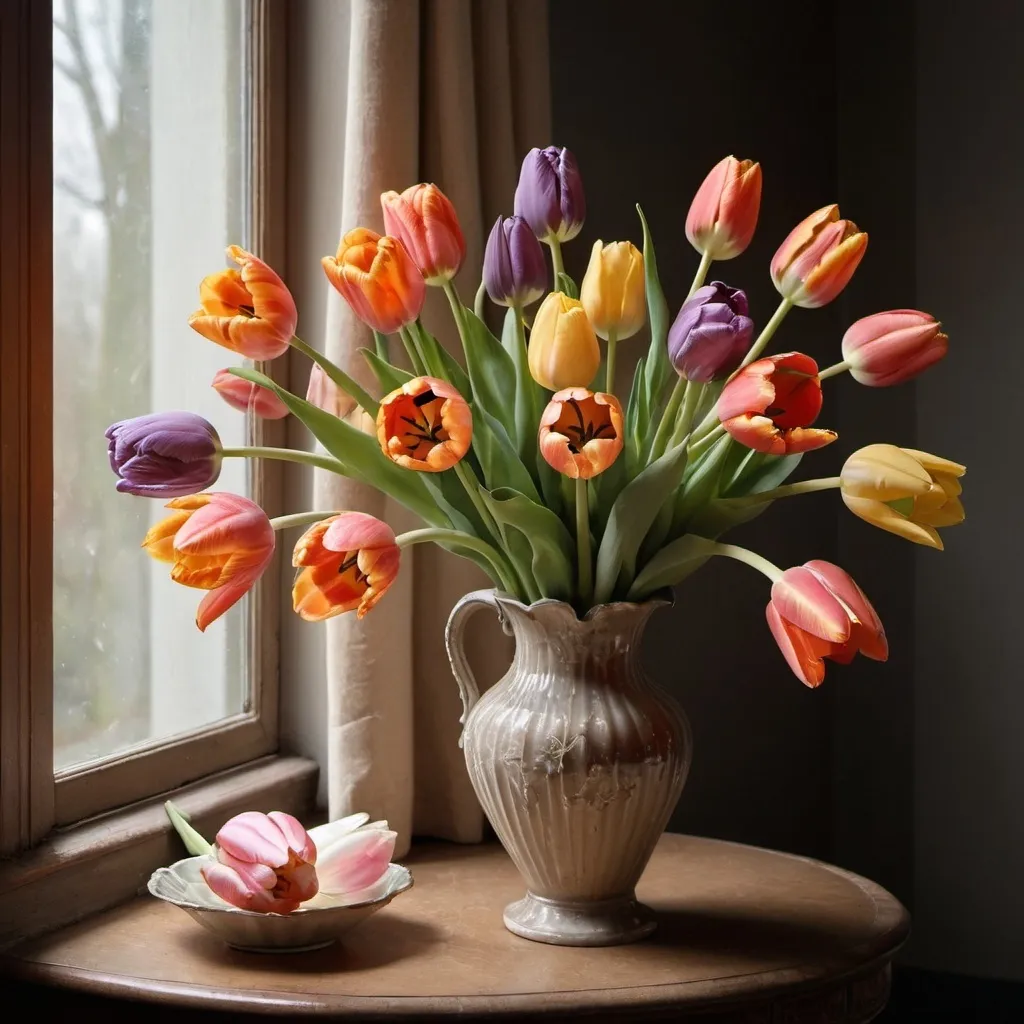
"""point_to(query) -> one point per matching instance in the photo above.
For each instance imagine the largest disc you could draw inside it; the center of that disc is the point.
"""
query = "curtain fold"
(454, 92)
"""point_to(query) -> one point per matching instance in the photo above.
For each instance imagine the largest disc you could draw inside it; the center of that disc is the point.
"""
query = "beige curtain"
(454, 92)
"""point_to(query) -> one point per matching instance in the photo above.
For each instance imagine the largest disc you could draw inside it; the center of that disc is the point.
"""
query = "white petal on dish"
(355, 861)
(324, 835)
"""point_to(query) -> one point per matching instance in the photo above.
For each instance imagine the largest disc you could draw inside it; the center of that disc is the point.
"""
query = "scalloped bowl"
(316, 924)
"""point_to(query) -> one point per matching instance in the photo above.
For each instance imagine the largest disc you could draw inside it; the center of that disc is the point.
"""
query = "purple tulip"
(549, 196)
(711, 334)
(164, 454)
(515, 273)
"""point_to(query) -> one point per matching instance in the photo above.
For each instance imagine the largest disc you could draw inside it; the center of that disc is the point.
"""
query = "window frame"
(33, 797)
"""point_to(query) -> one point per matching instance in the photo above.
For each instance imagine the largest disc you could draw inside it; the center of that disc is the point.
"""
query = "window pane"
(150, 166)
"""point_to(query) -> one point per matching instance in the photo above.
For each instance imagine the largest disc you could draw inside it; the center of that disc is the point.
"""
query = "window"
(158, 161)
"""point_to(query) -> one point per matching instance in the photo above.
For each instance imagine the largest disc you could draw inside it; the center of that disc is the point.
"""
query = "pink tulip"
(888, 348)
(325, 394)
(723, 214)
(817, 611)
(818, 258)
(245, 396)
(353, 855)
(264, 862)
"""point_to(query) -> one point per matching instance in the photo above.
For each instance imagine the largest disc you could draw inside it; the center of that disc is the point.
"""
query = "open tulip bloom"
(517, 453)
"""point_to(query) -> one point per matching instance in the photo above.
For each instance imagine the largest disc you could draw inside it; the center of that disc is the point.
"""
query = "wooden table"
(745, 935)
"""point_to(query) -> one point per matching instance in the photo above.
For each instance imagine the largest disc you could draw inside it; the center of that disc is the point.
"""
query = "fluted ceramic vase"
(578, 760)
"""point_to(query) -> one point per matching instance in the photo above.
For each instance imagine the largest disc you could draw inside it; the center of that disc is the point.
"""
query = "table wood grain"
(745, 935)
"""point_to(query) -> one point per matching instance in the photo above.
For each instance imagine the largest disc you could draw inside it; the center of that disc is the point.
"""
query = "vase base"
(580, 922)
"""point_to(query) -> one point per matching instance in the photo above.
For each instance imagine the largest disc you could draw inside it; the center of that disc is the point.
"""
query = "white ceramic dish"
(318, 923)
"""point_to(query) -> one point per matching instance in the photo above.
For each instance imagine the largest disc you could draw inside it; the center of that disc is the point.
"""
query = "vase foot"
(580, 922)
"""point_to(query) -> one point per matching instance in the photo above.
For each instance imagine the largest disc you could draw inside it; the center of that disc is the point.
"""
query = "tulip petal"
(833, 273)
(297, 838)
(328, 833)
(350, 531)
(879, 514)
(807, 439)
(757, 432)
(227, 884)
(934, 465)
(252, 836)
(802, 598)
(845, 589)
(356, 860)
(885, 473)
(802, 651)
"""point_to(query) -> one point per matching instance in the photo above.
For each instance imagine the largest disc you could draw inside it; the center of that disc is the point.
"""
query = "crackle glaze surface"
(578, 760)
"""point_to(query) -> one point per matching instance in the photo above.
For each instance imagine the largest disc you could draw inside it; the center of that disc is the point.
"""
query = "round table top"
(741, 932)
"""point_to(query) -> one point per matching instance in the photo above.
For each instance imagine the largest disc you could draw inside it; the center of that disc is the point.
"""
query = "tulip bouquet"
(513, 456)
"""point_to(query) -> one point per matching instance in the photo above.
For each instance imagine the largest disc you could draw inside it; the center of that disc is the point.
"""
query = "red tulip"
(889, 348)
(770, 405)
(816, 612)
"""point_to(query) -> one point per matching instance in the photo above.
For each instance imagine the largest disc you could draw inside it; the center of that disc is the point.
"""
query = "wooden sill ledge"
(745, 934)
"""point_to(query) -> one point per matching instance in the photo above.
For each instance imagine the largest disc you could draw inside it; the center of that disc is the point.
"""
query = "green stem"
(287, 455)
(586, 574)
(413, 352)
(701, 445)
(825, 483)
(558, 267)
(668, 419)
(457, 310)
(339, 376)
(299, 519)
(609, 373)
(685, 418)
(751, 558)
(835, 368)
(702, 272)
(769, 329)
(463, 540)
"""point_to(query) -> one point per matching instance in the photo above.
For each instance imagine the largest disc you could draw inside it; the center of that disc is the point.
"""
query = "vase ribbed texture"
(577, 758)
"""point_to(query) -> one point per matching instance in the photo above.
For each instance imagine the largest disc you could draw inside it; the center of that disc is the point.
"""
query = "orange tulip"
(817, 611)
(249, 311)
(377, 278)
(245, 396)
(347, 562)
(770, 405)
(581, 432)
(723, 214)
(423, 218)
(818, 258)
(217, 542)
(424, 425)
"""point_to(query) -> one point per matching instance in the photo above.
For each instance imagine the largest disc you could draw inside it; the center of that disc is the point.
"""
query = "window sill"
(98, 863)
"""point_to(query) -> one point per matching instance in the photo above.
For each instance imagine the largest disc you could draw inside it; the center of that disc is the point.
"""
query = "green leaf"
(775, 470)
(380, 343)
(567, 285)
(440, 362)
(492, 373)
(700, 483)
(351, 387)
(528, 394)
(498, 458)
(358, 452)
(638, 422)
(671, 565)
(552, 559)
(631, 517)
(389, 377)
(659, 369)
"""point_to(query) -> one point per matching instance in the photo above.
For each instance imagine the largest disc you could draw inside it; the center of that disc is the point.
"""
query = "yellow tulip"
(612, 292)
(563, 350)
(904, 491)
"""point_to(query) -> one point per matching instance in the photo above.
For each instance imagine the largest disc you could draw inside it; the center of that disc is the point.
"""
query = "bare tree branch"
(72, 189)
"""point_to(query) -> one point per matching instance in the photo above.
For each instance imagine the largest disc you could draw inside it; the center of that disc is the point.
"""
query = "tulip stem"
(458, 311)
(558, 267)
(699, 446)
(609, 369)
(706, 260)
(685, 418)
(339, 376)
(825, 483)
(299, 519)
(456, 538)
(287, 455)
(766, 335)
(751, 558)
(668, 419)
(413, 352)
(835, 368)
(586, 575)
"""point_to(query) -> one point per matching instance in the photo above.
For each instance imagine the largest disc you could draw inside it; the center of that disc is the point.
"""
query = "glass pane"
(150, 172)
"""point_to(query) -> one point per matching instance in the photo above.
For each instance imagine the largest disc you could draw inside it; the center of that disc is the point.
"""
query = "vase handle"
(453, 634)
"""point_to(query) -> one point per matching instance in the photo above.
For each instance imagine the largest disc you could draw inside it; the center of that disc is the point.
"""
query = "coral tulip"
(817, 611)
(164, 454)
(770, 405)
(904, 491)
(245, 396)
(346, 562)
(563, 351)
(818, 258)
(515, 273)
(424, 220)
(263, 862)
(612, 292)
(377, 278)
(322, 392)
(723, 214)
(581, 432)
(217, 542)
(711, 334)
(424, 425)
(549, 196)
(888, 348)
(249, 311)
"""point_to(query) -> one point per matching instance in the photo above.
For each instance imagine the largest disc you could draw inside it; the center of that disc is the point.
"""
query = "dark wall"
(649, 96)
